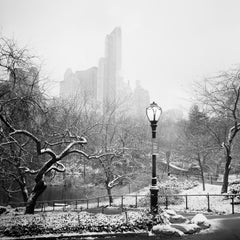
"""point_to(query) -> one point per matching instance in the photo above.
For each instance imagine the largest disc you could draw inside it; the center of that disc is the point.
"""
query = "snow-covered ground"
(209, 188)
(217, 204)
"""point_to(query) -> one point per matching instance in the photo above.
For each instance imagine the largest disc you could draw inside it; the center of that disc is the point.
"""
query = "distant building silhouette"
(104, 84)
(113, 62)
(141, 100)
(100, 79)
(80, 84)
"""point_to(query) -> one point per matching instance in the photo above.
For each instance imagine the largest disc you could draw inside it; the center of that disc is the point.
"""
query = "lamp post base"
(154, 199)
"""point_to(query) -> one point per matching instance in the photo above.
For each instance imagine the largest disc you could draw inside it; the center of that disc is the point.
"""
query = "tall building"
(141, 100)
(88, 82)
(105, 84)
(81, 84)
(100, 80)
(112, 66)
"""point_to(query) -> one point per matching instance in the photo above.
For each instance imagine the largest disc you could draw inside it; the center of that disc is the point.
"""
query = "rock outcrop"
(178, 225)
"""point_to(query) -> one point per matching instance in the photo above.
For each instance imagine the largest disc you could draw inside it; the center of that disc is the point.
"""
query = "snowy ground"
(217, 204)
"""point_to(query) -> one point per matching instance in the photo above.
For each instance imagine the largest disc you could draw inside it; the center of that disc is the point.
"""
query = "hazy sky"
(166, 44)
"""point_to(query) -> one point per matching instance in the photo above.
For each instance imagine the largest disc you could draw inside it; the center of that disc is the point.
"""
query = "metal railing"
(219, 203)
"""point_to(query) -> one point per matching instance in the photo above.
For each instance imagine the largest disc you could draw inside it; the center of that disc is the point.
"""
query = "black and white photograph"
(119, 119)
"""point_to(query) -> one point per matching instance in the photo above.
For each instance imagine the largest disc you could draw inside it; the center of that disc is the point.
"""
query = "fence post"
(232, 204)
(211, 179)
(208, 202)
(98, 202)
(122, 202)
(53, 206)
(186, 197)
(76, 204)
(136, 203)
(166, 202)
(126, 216)
(87, 203)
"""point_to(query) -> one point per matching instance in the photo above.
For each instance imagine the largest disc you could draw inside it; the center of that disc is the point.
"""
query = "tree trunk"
(168, 155)
(23, 186)
(226, 173)
(24, 193)
(201, 171)
(36, 192)
(109, 192)
(218, 165)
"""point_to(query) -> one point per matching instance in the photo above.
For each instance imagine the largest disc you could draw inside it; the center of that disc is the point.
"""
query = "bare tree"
(220, 95)
(21, 103)
(169, 133)
(118, 134)
(196, 142)
(71, 145)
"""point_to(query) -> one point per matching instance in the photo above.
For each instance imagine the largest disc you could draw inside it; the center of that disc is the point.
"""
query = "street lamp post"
(153, 113)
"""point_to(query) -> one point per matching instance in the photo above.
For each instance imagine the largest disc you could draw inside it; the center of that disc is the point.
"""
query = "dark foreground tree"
(72, 145)
(32, 139)
(22, 104)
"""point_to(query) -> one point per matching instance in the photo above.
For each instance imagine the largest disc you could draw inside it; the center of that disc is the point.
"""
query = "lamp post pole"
(153, 113)
(154, 188)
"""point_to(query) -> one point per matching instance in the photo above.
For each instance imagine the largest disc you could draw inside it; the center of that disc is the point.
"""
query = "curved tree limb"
(59, 167)
(27, 170)
(116, 181)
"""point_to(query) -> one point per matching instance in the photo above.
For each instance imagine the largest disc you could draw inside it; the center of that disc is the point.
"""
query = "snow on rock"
(178, 219)
(164, 218)
(201, 221)
(187, 228)
(170, 212)
(166, 230)
(178, 225)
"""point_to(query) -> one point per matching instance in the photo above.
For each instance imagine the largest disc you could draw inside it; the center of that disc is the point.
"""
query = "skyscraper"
(141, 100)
(80, 84)
(112, 66)
(105, 83)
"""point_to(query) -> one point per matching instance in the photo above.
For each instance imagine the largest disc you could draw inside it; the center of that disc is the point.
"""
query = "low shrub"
(171, 186)
(234, 188)
(83, 222)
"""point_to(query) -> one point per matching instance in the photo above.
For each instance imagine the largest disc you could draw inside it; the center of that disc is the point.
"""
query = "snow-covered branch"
(112, 154)
(58, 167)
(28, 170)
(116, 181)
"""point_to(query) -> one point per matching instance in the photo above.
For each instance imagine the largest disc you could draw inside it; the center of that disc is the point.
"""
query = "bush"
(172, 186)
(82, 222)
(234, 188)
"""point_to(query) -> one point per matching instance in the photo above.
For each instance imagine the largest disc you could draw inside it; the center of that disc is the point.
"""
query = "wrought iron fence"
(217, 203)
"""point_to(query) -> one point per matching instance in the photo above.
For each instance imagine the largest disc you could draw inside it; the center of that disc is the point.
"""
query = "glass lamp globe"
(153, 112)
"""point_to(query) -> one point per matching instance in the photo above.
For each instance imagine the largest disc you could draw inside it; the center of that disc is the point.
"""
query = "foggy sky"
(166, 44)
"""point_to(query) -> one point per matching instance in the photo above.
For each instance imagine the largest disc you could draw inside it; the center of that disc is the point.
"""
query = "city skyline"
(166, 44)
(104, 85)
